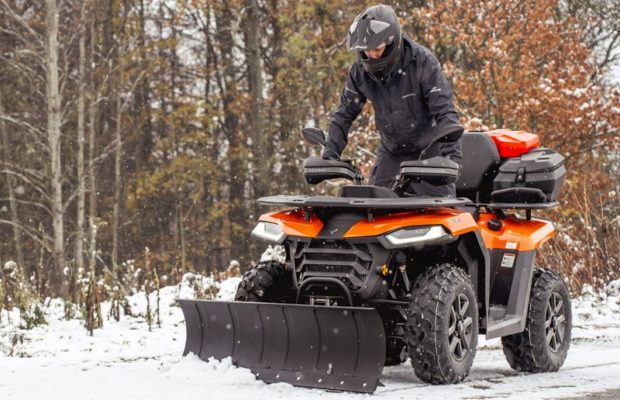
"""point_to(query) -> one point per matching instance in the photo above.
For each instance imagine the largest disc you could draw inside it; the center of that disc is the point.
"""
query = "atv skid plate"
(339, 348)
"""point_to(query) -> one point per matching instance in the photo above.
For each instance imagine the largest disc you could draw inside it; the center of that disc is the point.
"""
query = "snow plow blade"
(339, 348)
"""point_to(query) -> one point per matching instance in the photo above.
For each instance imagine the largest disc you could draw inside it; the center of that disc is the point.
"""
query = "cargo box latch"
(520, 175)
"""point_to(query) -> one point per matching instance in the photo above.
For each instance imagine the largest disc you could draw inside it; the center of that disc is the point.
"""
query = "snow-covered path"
(591, 367)
(125, 361)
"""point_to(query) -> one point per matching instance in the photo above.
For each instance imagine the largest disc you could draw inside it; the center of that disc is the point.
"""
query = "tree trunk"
(143, 96)
(118, 153)
(92, 185)
(260, 155)
(54, 140)
(237, 153)
(10, 181)
(81, 137)
(173, 131)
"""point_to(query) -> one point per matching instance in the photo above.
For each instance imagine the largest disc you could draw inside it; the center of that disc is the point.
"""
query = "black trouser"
(387, 167)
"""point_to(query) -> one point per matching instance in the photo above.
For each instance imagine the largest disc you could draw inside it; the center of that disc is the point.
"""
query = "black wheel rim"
(460, 327)
(555, 322)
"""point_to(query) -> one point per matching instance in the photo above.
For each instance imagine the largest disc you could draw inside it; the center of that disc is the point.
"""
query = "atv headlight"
(406, 236)
(269, 232)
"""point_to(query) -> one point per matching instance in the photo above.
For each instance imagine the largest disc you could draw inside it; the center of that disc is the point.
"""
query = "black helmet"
(372, 28)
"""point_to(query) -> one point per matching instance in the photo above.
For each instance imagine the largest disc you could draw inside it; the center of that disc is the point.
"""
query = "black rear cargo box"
(540, 168)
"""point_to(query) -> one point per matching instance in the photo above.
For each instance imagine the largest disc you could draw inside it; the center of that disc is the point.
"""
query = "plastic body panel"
(293, 223)
(515, 234)
(455, 221)
(512, 251)
(510, 292)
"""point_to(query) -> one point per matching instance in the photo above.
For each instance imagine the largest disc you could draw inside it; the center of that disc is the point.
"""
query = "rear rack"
(528, 207)
(406, 203)
(519, 206)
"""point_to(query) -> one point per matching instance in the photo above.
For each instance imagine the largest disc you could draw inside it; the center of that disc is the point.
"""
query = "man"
(409, 93)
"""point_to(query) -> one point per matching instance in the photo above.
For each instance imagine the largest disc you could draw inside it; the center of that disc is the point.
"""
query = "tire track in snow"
(499, 376)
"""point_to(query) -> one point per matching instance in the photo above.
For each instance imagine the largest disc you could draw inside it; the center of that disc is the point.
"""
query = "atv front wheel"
(543, 345)
(442, 328)
(267, 282)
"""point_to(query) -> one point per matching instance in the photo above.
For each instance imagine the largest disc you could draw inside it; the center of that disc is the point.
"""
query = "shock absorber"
(401, 262)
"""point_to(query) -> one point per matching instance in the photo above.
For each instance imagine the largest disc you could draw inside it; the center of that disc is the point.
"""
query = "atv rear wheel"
(267, 282)
(442, 328)
(543, 345)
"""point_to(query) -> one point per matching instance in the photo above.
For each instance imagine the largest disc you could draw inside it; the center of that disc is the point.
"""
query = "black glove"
(329, 154)
(449, 131)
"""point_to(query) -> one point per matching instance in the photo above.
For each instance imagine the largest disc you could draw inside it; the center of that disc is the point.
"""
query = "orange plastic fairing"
(515, 234)
(455, 221)
(513, 143)
(294, 224)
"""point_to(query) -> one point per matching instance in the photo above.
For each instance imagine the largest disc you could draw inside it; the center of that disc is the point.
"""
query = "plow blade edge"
(340, 348)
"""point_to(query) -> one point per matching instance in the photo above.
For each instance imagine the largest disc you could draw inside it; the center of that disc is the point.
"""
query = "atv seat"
(479, 167)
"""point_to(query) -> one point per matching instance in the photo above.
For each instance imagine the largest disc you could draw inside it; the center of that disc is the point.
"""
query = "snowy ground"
(126, 361)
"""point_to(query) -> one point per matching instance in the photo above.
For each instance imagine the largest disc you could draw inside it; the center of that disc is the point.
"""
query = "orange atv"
(376, 275)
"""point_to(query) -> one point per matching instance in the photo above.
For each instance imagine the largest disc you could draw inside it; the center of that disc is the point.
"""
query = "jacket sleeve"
(452, 150)
(438, 97)
(352, 102)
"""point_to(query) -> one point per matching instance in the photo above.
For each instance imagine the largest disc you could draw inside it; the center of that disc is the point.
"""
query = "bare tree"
(53, 136)
(600, 24)
(92, 116)
(81, 178)
(260, 140)
(10, 182)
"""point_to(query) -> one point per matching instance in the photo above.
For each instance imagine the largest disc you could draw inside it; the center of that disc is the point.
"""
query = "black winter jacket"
(407, 105)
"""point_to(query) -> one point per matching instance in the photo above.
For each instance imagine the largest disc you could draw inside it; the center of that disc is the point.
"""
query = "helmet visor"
(369, 34)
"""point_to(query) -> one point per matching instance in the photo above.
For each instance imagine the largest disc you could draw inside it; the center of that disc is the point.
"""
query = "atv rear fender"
(514, 233)
(512, 246)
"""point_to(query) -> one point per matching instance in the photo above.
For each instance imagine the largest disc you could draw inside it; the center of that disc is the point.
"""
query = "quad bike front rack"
(338, 348)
